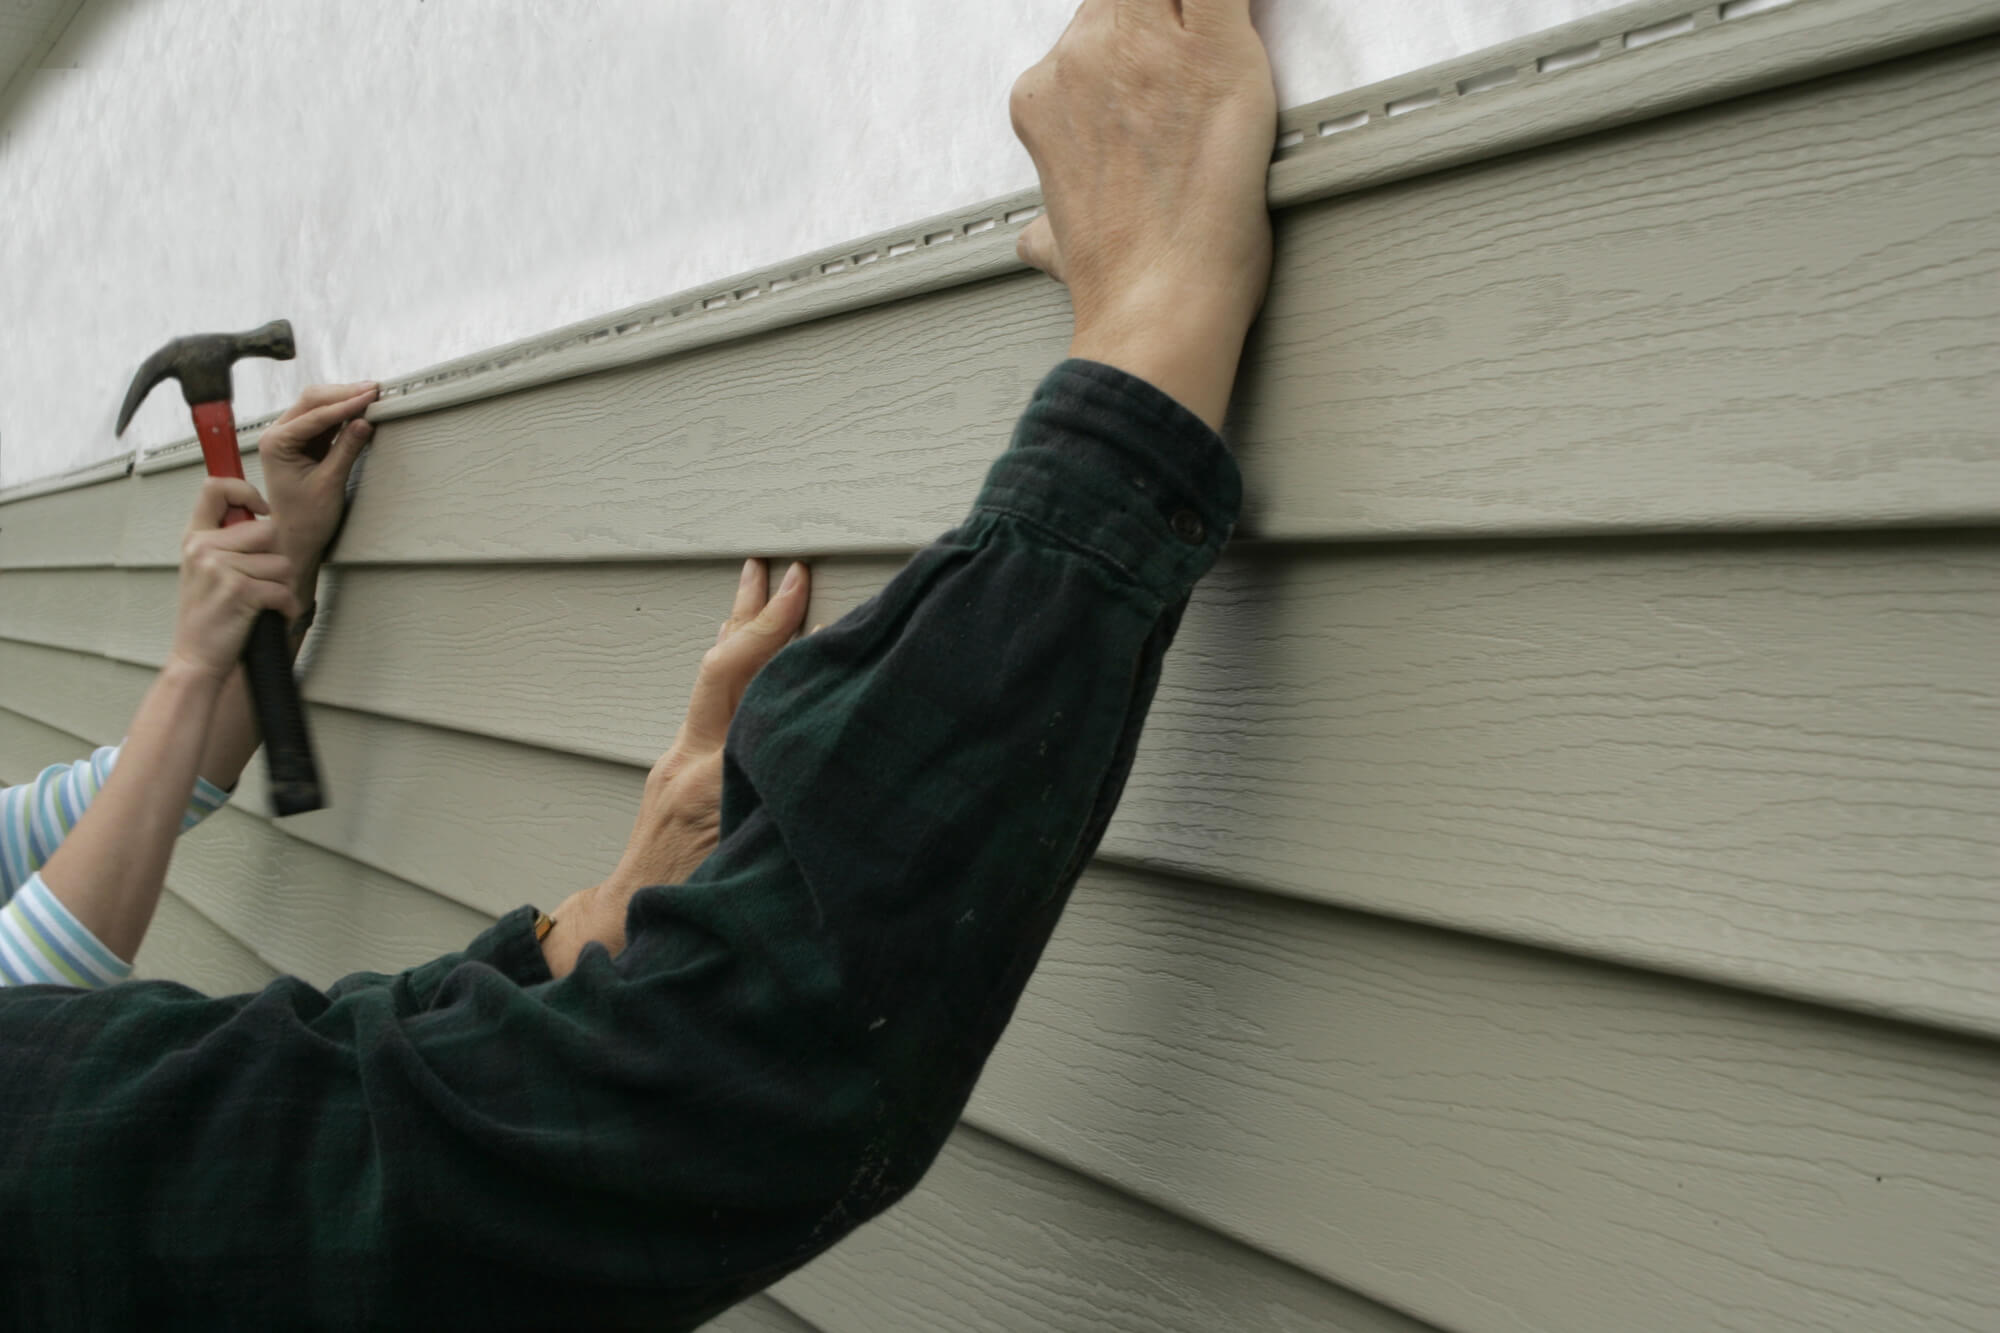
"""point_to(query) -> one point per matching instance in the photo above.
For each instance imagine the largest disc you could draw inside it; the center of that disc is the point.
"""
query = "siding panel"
(185, 946)
(307, 911)
(79, 693)
(1770, 762)
(79, 527)
(1496, 1138)
(483, 822)
(996, 1240)
(759, 1314)
(71, 608)
(1672, 325)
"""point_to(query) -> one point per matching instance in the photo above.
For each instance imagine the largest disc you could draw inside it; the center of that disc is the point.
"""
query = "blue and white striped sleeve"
(34, 818)
(41, 944)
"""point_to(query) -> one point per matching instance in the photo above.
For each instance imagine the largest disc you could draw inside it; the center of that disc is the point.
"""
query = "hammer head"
(201, 362)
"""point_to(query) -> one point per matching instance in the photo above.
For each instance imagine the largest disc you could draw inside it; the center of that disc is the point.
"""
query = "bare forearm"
(1185, 346)
(109, 870)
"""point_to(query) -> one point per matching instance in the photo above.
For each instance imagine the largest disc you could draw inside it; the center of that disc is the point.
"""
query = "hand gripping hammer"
(201, 362)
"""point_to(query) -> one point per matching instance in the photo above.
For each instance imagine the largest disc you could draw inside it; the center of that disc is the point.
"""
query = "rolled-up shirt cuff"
(41, 943)
(511, 947)
(207, 799)
(1116, 467)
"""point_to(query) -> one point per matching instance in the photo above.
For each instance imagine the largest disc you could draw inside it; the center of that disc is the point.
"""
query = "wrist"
(305, 583)
(1198, 373)
(193, 675)
(1186, 342)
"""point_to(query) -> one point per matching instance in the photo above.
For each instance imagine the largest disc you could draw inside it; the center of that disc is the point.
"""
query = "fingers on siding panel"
(1779, 310)
(1770, 762)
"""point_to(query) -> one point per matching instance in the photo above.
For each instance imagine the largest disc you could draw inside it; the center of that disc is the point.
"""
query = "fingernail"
(793, 576)
(749, 573)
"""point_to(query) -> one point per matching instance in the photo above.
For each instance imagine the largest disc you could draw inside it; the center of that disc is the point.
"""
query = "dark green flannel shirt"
(776, 1056)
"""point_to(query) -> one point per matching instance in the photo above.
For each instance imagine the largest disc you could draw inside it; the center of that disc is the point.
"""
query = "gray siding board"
(624, 639)
(1494, 1138)
(1720, 57)
(83, 694)
(759, 1314)
(68, 608)
(1344, 1092)
(308, 911)
(997, 1240)
(483, 822)
(1778, 312)
(1773, 763)
(69, 527)
(185, 946)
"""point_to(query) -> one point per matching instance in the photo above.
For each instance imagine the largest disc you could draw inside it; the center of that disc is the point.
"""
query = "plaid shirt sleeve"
(776, 1056)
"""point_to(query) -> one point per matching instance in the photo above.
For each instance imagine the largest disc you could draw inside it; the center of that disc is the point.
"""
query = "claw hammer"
(201, 362)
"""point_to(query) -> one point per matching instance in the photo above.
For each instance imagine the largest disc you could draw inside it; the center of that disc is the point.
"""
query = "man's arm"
(777, 1053)
(788, 1036)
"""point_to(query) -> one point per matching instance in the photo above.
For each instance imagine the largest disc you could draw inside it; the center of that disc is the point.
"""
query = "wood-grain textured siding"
(1559, 887)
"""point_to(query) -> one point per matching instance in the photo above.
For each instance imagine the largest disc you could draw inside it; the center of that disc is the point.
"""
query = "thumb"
(346, 449)
(727, 668)
(1037, 247)
(221, 494)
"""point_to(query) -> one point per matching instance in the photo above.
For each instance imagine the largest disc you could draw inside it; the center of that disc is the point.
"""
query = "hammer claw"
(201, 362)
(151, 371)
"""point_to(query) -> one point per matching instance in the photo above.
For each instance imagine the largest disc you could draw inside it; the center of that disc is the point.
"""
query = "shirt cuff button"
(1187, 525)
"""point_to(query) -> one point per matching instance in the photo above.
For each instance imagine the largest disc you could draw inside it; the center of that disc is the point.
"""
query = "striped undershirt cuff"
(208, 798)
(42, 944)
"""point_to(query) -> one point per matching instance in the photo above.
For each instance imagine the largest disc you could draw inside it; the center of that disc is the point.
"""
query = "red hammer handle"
(267, 655)
(215, 427)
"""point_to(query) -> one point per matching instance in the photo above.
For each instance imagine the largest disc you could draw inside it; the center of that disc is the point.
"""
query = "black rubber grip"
(281, 716)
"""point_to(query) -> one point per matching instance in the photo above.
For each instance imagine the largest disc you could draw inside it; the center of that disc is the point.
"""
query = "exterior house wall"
(1559, 888)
